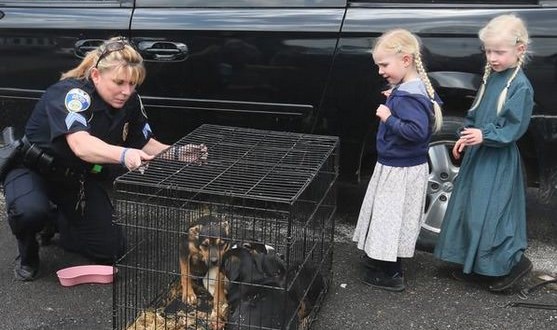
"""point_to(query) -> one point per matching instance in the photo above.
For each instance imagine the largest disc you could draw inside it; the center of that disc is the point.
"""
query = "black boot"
(27, 263)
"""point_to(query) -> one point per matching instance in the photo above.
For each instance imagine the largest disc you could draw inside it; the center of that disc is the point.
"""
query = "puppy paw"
(220, 309)
(214, 316)
(189, 298)
(217, 323)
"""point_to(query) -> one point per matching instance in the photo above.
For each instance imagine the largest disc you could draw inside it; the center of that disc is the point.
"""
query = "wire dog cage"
(240, 240)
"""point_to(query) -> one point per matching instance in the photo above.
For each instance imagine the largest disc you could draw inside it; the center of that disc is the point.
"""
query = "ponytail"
(83, 70)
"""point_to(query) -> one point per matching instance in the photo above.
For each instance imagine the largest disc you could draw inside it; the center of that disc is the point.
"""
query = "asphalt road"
(432, 300)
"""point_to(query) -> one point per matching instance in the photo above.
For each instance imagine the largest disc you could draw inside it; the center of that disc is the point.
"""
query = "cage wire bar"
(272, 188)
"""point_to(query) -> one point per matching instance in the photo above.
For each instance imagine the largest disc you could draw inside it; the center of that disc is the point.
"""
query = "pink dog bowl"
(86, 274)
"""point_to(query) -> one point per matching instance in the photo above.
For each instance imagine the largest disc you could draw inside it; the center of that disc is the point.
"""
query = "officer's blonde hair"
(126, 60)
(401, 41)
(511, 30)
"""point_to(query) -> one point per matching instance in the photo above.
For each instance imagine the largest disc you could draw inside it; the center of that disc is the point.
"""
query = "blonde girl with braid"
(484, 229)
(392, 211)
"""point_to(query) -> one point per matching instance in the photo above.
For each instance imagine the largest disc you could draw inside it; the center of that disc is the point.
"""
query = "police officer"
(86, 129)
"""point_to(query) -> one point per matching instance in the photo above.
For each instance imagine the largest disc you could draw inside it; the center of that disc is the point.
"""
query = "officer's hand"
(134, 158)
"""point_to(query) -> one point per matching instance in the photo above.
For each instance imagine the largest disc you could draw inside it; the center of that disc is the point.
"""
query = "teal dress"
(484, 228)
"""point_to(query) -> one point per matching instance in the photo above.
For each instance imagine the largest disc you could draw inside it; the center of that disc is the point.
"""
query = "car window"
(239, 3)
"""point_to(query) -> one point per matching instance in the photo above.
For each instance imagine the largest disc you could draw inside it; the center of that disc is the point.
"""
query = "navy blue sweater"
(403, 139)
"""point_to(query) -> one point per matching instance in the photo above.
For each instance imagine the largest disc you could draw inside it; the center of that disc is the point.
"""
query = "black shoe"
(482, 280)
(25, 273)
(521, 269)
(369, 263)
(378, 279)
(463, 277)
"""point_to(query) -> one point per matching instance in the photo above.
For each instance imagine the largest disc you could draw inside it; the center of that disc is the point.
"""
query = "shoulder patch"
(77, 100)
(147, 132)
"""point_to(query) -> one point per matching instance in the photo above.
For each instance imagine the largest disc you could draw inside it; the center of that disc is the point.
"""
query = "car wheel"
(443, 169)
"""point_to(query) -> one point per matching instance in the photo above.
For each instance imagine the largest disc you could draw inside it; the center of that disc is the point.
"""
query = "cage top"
(241, 162)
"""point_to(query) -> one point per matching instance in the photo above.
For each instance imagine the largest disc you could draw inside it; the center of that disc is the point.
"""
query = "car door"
(41, 39)
(235, 62)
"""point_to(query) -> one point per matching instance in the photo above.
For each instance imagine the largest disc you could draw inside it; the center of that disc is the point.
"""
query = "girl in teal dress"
(484, 228)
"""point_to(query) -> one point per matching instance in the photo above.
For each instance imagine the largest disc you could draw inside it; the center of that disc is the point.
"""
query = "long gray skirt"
(392, 212)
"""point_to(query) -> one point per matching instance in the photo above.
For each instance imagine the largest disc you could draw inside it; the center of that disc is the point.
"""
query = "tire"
(443, 169)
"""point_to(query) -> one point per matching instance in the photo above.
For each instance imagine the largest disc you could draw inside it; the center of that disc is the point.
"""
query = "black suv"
(296, 65)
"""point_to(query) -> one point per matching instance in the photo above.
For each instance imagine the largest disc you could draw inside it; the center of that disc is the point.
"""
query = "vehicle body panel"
(243, 67)
(37, 44)
(293, 65)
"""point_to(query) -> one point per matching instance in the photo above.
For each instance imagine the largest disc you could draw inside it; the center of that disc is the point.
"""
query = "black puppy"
(251, 263)
(256, 295)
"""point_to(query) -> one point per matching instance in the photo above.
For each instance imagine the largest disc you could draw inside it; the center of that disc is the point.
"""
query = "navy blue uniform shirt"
(73, 105)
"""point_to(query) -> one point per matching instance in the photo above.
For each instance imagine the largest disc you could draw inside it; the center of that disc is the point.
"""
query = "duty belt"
(35, 158)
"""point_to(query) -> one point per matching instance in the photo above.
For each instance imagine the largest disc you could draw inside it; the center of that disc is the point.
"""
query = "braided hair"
(509, 29)
(404, 42)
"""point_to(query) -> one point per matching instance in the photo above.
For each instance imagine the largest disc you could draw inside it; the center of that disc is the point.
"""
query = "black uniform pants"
(89, 232)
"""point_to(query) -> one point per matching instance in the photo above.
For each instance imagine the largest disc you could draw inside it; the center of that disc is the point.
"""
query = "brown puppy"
(201, 254)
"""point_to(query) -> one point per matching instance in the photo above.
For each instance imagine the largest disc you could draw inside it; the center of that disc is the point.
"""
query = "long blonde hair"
(401, 41)
(124, 60)
(511, 30)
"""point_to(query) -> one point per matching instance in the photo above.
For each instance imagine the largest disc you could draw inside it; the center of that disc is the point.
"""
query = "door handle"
(167, 51)
(1, 14)
(82, 47)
